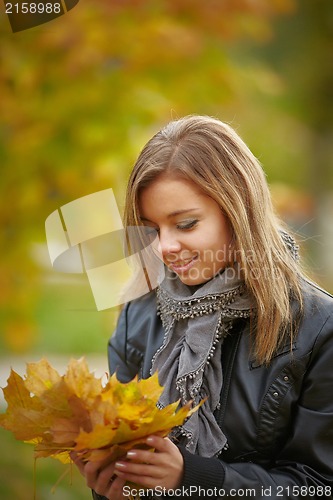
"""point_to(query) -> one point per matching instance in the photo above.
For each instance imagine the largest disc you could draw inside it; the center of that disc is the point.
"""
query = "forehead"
(168, 195)
(171, 188)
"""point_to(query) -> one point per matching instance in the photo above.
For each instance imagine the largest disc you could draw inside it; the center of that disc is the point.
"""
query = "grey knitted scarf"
(189, 360)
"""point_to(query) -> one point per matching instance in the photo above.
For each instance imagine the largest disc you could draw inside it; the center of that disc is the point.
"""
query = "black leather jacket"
(278, 419)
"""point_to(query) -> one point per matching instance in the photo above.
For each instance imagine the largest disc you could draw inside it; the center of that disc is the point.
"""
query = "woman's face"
(194, 234)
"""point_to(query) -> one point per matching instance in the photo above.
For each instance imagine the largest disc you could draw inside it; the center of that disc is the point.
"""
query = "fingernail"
(120, 465)
(150, 440)
(131, 454)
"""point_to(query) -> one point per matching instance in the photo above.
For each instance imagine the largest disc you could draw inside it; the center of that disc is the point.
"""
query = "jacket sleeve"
(304, 466)
(138, 335)
(124, 358)
(97, 497)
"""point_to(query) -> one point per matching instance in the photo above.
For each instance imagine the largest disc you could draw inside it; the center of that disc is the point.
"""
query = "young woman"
(234, 320)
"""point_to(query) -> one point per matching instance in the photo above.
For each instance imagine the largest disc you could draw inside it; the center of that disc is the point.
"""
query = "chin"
(187, 280)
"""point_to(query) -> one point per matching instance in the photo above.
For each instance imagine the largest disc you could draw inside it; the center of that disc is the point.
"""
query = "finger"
(142, 456)
(98, 479)
(127, 469)
(115, 491)
(143, 480)
(76, 460)
(159, 443)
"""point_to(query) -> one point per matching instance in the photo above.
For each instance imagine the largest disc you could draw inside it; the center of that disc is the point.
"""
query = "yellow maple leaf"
(41, 376)
(81, 382)
(16, 392)
(75, 411)
(25, 415)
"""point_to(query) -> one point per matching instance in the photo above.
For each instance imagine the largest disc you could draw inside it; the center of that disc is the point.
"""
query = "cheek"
(224, 235)
(215, 248)
(212, 242)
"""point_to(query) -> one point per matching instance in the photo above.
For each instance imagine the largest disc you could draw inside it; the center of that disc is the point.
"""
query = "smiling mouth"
(183, 265)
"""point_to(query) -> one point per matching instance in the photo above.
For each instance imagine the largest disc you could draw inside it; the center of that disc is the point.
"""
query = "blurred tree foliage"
(81, 95)
(304, 56)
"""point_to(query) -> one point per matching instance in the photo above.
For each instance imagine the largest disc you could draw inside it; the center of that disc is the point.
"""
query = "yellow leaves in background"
(19, 334)
(76, 411)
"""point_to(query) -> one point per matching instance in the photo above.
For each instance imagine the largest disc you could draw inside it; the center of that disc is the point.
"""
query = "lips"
(182, 266)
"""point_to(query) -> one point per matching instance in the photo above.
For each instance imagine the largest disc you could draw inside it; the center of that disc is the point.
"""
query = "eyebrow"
(175, 213)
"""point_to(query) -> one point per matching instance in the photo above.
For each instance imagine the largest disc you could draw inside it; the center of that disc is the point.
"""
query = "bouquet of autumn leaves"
(75, 411)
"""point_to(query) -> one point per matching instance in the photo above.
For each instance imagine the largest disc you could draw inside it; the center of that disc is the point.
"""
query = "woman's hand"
(148, 469)
(100, 477)
(163, 468)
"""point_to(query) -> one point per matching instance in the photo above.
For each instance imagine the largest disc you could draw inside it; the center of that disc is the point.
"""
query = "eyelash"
(182, 227)
(188, 226)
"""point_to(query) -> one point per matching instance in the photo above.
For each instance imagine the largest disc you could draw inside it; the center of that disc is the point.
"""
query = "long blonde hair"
(211, 154)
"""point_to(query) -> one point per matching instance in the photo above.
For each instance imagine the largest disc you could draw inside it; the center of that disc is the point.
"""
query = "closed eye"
(187, 225)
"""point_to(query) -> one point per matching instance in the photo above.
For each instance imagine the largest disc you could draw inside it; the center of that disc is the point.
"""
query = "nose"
(169, 244)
